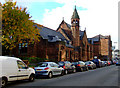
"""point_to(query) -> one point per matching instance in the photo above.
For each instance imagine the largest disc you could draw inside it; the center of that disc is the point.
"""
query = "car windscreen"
(42, 65)
(60, 63)
(75, 63)
(87, 63)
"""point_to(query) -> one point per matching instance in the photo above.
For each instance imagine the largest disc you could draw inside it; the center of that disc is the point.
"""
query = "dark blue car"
(118, 63)
(97, 62)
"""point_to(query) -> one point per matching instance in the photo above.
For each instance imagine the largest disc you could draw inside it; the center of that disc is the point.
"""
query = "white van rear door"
(9, 69)
(23, 73)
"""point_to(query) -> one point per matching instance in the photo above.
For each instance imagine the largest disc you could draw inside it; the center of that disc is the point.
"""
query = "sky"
(97, 16)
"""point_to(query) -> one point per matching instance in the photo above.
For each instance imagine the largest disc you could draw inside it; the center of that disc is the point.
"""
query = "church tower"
(75, 28)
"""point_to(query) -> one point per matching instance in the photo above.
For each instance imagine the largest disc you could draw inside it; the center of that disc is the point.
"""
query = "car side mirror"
(26, 67)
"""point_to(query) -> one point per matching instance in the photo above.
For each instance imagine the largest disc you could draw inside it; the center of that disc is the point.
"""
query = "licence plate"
(38, 69)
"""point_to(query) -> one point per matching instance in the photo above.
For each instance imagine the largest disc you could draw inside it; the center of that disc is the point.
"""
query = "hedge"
(34, 59)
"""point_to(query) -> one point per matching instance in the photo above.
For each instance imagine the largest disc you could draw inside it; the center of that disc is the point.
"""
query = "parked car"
(108, 63)
(97, 62)
(90, 65)
(103, 64)
(114, 61)
(80, 66)
(13, 69)
(67, 66)
(48, 69)
(118, 63)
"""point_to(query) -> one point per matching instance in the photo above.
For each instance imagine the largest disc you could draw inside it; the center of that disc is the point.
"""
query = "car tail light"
(46, 68)
(78, 65)
(88, 64)
(64, 66)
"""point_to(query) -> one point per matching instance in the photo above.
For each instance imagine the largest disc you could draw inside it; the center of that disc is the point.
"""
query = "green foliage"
(34, 59)
(17, 26)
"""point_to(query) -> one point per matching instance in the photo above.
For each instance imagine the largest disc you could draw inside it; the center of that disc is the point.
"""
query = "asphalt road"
(105, 76)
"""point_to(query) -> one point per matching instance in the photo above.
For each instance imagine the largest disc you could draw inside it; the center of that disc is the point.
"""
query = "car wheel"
(62, 73)
(50, 75)
(81, 69)
(87, 69)
(32, 78)
(4, 82)
(91, 67)
(66, 72)
(74, 70)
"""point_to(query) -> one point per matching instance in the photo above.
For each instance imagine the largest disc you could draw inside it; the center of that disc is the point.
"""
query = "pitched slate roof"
(68, 33)
(69, 45)
(68, 25)
(81, 35)
(94, 39)
(101, 36)
(51, 35)
(89, 40)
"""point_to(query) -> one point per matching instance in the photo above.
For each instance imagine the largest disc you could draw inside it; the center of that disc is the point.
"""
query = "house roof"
(101, 36)
(92, 40)
(68, 25)
(51, 35)
(81, 35)
(95, 39)
(69, 45)
(68, 33)
(89, 40)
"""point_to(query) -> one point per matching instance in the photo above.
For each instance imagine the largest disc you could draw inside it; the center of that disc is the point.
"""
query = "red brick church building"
(68, 42)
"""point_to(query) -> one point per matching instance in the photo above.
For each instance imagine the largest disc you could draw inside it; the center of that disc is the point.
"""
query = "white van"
(12, 69)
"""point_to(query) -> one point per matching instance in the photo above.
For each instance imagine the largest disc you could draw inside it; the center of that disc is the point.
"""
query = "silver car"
(48, 69)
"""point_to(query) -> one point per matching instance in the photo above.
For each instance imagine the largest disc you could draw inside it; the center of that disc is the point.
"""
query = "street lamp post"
(114, 49)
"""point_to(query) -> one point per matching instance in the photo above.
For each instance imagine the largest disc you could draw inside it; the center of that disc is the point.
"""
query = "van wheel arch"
(5, 79)
(32, 77)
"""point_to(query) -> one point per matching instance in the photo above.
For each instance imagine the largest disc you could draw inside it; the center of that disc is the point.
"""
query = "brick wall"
(104, 46)
(96, 49)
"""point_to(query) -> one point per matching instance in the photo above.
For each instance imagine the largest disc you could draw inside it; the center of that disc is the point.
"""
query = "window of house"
(23, 48)
(67, 54)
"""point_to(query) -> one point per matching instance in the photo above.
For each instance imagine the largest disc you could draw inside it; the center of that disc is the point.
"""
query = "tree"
(17, 26)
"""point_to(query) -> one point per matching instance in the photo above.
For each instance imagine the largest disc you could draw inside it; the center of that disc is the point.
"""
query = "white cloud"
(53, 18)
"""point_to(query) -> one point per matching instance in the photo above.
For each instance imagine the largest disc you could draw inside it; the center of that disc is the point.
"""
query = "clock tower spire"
(75, 28)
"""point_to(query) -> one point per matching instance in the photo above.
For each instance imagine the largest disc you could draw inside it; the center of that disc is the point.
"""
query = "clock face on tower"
(74, 22)
(77, 22)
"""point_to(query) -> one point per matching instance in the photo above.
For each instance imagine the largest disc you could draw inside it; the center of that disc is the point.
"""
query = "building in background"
(102, 47)
(68, 42)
